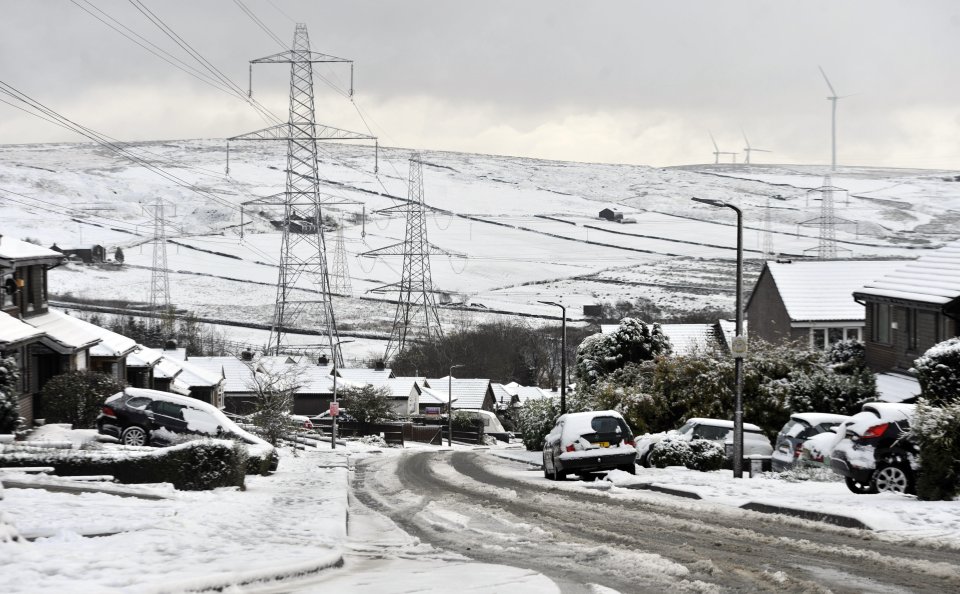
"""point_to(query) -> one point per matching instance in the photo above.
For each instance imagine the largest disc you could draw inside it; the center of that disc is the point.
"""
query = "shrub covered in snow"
(847, 356)
(76, 396)
(374, 440)
(699, 454)
(368, 404)
(632, 342)
(826, 391)
(194, 466)
(938, 371)
(535, 419)
(9, 408)
(936, 430)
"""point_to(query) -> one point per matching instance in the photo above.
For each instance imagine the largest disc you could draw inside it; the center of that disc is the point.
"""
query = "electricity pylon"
(159, 274)
(827, 221)
(303, 252)
(416, 315)
(340, 277)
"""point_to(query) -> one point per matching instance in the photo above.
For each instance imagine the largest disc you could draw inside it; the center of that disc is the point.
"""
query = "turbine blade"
(828, 81)
(713, 140)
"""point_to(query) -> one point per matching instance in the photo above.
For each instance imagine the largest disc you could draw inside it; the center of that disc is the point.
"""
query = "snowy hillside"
(528, 228)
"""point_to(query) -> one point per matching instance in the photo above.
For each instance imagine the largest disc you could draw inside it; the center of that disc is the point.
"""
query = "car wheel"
(546, 473)
(558, 475)
(894, 478)
(645, 460)
(134, 436)
(860, 488)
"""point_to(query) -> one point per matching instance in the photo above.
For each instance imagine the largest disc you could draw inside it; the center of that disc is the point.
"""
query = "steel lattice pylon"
(303, 253)
(827, 221)
(340, 277)
(416, 315)
(159, 275)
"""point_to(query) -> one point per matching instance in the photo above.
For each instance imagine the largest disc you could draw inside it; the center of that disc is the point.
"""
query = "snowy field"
(519, 230)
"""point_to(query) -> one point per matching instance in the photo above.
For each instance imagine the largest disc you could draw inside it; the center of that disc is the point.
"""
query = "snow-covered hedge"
(938, 371)
(700, 454)
(536, 418)
(9, 407)
(633, 341)
(194, 466)
(936, 431)
(75, 397)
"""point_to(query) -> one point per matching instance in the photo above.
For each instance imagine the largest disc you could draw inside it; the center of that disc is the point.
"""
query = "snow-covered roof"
(525, 393)
(190, 375)
(179, 354)
(399, 387)
(896, 387)
(822, 290)
(111, 344)
(15, 250)
(468, 392)
(429, 396)
(13, 330)
(307, 377)
(143, 357)
(236, 372)
(361, 375)
(687, 338)
(501, 394)
(64, 333)
(166, 368)
(932, 278)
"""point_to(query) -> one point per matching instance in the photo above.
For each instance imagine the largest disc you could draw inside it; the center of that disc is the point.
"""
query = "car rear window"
(605, 425)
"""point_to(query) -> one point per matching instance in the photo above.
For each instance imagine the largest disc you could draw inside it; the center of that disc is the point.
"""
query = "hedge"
(193, 466)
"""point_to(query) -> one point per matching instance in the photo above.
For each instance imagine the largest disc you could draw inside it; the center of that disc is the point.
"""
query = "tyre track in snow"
(729, 552)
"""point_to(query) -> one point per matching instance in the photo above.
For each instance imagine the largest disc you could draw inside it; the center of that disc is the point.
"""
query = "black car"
(876, 453)
(142, 417)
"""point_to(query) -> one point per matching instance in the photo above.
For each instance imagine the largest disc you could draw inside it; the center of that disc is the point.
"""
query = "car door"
(551, 445)
(167, 415)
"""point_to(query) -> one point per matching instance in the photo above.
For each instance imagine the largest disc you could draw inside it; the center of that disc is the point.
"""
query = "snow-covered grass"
(900, 516)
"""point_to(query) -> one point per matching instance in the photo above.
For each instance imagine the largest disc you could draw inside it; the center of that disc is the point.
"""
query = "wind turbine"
(833, 120)
(749, 149)
(717, 152)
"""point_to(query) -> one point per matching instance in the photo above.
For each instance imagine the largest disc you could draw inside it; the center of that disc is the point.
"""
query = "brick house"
(810, 301)
(911, 308)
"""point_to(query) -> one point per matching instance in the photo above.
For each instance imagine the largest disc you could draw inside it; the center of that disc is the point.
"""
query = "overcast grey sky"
(616, 81)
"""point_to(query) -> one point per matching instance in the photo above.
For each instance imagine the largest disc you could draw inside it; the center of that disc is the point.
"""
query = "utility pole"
(303, 252)
(563, 357)
(417, 297)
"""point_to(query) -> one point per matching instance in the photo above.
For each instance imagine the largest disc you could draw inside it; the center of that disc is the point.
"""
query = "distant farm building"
(608, 214)
(96, 254)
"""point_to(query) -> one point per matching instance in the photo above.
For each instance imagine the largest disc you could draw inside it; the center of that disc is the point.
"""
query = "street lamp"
(739, 343)
(563, 357)
(450, 405)
(333, 427)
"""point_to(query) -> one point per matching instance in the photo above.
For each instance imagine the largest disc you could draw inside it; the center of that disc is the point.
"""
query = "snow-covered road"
(647, 542)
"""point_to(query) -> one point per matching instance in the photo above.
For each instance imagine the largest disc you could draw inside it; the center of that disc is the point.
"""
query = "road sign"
(739, 347)
(334, 409)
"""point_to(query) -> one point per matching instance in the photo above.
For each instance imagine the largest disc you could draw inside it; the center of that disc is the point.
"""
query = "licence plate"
(603, 444)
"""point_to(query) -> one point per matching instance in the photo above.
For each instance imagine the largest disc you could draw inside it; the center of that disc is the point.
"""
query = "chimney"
(379, 365)
(322, 360)
(246, 355)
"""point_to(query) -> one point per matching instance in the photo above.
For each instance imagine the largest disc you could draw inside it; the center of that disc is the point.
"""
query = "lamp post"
(563, 357)
(739, 343)
(333, 427)
(450, 405)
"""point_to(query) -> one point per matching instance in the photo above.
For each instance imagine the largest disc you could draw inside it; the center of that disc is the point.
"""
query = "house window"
(911, 330)
(881, 323)
(834, 335)
(818, 338)
(852, 334)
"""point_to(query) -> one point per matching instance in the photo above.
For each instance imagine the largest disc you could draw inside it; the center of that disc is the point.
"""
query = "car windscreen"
(711, 433)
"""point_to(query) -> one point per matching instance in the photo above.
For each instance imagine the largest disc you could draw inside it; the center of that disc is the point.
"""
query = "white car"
(586, 442)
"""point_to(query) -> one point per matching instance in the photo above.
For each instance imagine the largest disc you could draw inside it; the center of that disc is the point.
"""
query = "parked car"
(755, 443)
(491, 423)
(142, 417)
(800, 428)
(342, 417)
(587, 442)
(876, 453)
(817, 450)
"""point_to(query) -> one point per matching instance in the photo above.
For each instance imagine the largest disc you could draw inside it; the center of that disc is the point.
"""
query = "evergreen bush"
(705, 455)
(670, 452)
(75, 397)
(9, 405)
(936, 430)
(938, 372)
(535, 419)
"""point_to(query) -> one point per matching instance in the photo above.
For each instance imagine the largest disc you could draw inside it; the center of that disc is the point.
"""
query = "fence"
(400, 432)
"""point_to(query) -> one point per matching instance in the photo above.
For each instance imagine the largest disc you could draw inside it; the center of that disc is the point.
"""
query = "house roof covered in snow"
(193, 376)
(365, 375)
(501, 394)
(435, 397)
(932, 278)
(822, 290)
(13, 330)
(111, 344)
(399, 387)
(24, 252)
(525, 393)
(468, 392)
(143, 357)
(63, 333)
(166, 368)
(237, 373)
(687, 338)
